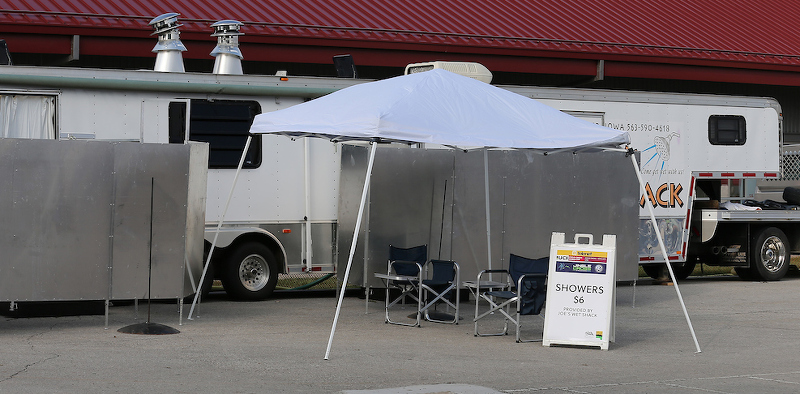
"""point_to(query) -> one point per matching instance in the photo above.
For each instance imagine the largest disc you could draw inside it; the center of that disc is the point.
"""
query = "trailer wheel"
(769, 255)
(653, 270)
(658, 271)
(683, 270)
(250, 273)
(744, 273)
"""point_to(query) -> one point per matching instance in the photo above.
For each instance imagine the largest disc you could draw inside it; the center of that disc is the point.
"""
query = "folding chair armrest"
(480, 274)
(492, 271)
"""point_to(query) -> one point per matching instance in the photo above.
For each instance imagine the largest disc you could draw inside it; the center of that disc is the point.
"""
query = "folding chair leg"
(519, 327)
(401, 298)
(437, 298)
(502, 308)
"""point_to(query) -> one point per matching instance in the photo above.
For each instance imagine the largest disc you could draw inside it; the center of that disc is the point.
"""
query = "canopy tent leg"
(373, 146)
(307, 185)
(664, 252)
(219, 225)
(488, 213)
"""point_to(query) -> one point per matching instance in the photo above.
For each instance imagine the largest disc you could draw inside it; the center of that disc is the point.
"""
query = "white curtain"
(24, 116)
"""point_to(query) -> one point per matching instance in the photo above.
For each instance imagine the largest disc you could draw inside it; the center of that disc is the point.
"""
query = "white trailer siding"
(274, 193)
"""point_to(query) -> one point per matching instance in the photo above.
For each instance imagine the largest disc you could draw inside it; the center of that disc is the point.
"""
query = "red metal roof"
(756, 34)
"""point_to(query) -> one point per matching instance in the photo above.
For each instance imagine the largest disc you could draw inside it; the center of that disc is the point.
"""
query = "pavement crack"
(26, 367)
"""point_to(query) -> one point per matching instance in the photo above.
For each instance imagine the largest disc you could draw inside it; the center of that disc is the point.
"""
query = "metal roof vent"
(169, 47)
(229, 57)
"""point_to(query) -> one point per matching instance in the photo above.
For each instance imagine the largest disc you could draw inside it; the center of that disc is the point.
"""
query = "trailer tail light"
(287, 231)
(649, 258)
(705, 174)
(728, 174)
(770, 175)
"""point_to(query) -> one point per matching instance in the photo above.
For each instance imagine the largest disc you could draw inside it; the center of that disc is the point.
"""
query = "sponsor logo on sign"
(582, 268)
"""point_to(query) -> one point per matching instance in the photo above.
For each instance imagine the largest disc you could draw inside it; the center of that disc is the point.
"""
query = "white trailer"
(697, 152)
(282, 215)
(283, 212)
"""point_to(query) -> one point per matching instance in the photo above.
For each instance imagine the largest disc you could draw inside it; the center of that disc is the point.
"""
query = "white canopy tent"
(442, 108)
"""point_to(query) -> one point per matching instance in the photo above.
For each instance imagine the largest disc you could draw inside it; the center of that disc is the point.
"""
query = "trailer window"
(177, 122)
(225, 125)
(27, 116)
(727, 130)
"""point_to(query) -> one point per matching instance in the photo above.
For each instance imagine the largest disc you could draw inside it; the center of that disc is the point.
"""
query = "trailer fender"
(229, 235)
(708, 228)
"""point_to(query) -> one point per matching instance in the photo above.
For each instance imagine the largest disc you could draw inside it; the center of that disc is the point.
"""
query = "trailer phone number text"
(664, 128)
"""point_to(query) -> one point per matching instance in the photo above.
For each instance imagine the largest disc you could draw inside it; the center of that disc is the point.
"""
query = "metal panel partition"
(436, 197)
(78, 216)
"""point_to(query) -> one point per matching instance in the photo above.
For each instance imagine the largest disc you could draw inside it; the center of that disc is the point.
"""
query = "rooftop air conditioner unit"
(468, 69)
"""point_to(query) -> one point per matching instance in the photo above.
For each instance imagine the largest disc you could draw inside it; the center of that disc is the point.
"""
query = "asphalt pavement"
(746, 331)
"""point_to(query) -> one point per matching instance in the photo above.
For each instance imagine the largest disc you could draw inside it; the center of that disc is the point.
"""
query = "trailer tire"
(658, 271)
(744, 273)
(683, 270)
(250, 272)
(653, 270)
(769, 255)
(792, 195)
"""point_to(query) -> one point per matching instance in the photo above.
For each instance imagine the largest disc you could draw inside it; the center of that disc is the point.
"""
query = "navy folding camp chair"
(404, 273)
(441, 286)
(525, 279)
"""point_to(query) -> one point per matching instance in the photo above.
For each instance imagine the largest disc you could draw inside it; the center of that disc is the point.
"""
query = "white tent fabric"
(438, 107)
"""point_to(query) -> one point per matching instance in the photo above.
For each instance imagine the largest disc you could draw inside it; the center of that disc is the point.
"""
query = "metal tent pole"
(219, 225)
(488, 209)
(307, 187)
(353, 244)
(664, 252)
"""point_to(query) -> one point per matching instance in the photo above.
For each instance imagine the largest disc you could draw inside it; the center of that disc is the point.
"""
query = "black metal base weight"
(148, 329)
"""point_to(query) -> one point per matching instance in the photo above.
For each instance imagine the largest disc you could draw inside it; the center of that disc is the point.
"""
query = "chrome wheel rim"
(773, 254)
(254, 272)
